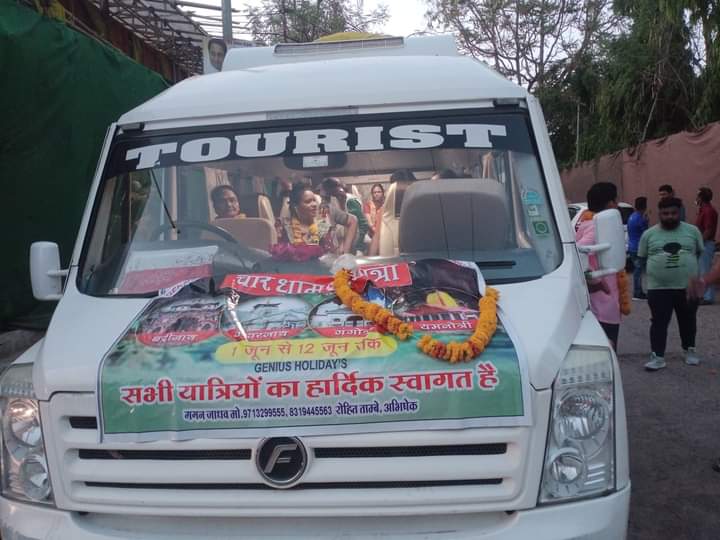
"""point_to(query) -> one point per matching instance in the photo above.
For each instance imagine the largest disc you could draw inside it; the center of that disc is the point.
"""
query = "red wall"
(685, 160)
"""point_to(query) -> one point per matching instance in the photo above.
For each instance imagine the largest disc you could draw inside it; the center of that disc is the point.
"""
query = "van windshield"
(290, 197)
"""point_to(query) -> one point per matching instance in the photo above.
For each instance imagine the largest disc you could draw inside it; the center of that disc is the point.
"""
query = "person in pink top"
(604, 292)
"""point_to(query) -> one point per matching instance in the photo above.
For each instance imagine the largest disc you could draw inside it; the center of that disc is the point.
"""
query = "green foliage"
(704, 15)
(656, 72)
(62, 90)
(524, 40)
(648, 89)
(564, 99)
(301, 21)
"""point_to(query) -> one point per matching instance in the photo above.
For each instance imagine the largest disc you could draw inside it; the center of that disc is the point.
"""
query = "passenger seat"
(257, 229)
(256, 205)
(258, 233)
(460, 216)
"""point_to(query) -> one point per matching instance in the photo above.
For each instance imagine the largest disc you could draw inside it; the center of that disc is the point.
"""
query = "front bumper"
(601, 518)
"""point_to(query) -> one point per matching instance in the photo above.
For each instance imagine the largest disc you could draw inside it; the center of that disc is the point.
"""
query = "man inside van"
(672, 249)
(331, 187)
(225, 201)
(443, 174)
(666, 191)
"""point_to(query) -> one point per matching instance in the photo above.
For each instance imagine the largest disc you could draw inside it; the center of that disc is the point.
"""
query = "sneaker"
(704, 302)
(656, 362)
(691, 357)
(640, 296)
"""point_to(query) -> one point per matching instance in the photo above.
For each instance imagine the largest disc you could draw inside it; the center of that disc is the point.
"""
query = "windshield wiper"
(167, 212)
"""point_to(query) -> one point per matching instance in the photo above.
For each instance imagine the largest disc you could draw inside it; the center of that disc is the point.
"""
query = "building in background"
(154, 33)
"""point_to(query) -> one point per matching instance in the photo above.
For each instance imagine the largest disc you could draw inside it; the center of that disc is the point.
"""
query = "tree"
(525, 39)
(300, 21)
(704, 16)
(570, 104)
(649, 87)
(637, 85)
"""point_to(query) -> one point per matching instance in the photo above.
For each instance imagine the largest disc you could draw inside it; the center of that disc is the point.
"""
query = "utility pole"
(577, 134)
(227, 22)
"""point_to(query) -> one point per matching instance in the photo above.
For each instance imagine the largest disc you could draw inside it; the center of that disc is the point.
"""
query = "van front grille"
(174, 455)
(307, 485)
(320, 453)
(388, 473)
(413, 451)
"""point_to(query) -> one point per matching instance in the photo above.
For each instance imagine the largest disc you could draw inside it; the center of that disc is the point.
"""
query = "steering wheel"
(246, 256)
(180, 225)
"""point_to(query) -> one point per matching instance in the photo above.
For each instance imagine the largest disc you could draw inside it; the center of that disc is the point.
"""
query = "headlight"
(580, 452)
(25, 473)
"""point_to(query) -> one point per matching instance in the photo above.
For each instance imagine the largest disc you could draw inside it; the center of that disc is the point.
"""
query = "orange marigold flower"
(453, 352)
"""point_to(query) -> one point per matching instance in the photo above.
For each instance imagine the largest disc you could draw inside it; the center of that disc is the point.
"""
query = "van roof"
(324, 82)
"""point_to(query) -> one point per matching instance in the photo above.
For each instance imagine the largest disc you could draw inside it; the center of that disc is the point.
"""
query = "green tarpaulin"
(60, 90)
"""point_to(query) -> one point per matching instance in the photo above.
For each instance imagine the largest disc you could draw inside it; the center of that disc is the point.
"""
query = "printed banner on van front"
(278, 354)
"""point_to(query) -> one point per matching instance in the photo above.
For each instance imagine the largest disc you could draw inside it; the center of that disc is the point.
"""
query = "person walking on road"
(707, 221)
(606, 298)
(637, 224)
(666, 191)
(671, 250)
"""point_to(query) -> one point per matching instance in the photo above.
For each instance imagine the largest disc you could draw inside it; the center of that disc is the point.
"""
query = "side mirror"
(609, 245)
(45, 273)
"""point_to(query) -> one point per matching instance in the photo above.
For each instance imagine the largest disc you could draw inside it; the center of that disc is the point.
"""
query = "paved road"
(674, 430)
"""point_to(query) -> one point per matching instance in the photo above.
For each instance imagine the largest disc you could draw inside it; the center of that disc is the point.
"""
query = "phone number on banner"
(343, 408)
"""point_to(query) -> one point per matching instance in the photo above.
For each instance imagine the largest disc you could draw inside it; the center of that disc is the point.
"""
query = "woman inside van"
(306, 234)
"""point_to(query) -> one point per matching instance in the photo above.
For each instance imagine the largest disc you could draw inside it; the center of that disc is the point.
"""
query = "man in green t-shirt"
(672, 249)
(331, 187)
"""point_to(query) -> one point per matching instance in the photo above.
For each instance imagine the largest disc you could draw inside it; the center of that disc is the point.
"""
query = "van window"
(291, 198)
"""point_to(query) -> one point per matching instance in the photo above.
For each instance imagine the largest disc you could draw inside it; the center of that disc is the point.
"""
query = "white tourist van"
(200, 379)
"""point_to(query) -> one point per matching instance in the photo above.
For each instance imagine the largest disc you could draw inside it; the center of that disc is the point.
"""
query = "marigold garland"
(452, 352)
(464, 351)
(298, 238)
(624, 290)
(367, 310)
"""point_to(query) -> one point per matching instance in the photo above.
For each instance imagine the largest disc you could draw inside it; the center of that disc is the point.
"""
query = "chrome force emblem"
(281, 461)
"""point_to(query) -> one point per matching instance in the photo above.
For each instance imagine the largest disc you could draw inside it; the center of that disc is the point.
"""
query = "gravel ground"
(674, 431)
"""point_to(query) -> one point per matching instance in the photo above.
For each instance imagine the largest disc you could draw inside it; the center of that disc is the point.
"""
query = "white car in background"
(576, 209)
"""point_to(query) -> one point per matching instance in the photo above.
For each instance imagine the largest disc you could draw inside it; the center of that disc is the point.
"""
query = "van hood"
(542, 317)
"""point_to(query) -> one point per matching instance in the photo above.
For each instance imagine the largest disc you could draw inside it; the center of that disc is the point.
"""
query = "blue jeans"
(637, 273)
(705, 264)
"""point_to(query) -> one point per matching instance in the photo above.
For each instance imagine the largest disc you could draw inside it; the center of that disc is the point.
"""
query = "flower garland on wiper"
(455, 351)
(367, 310)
